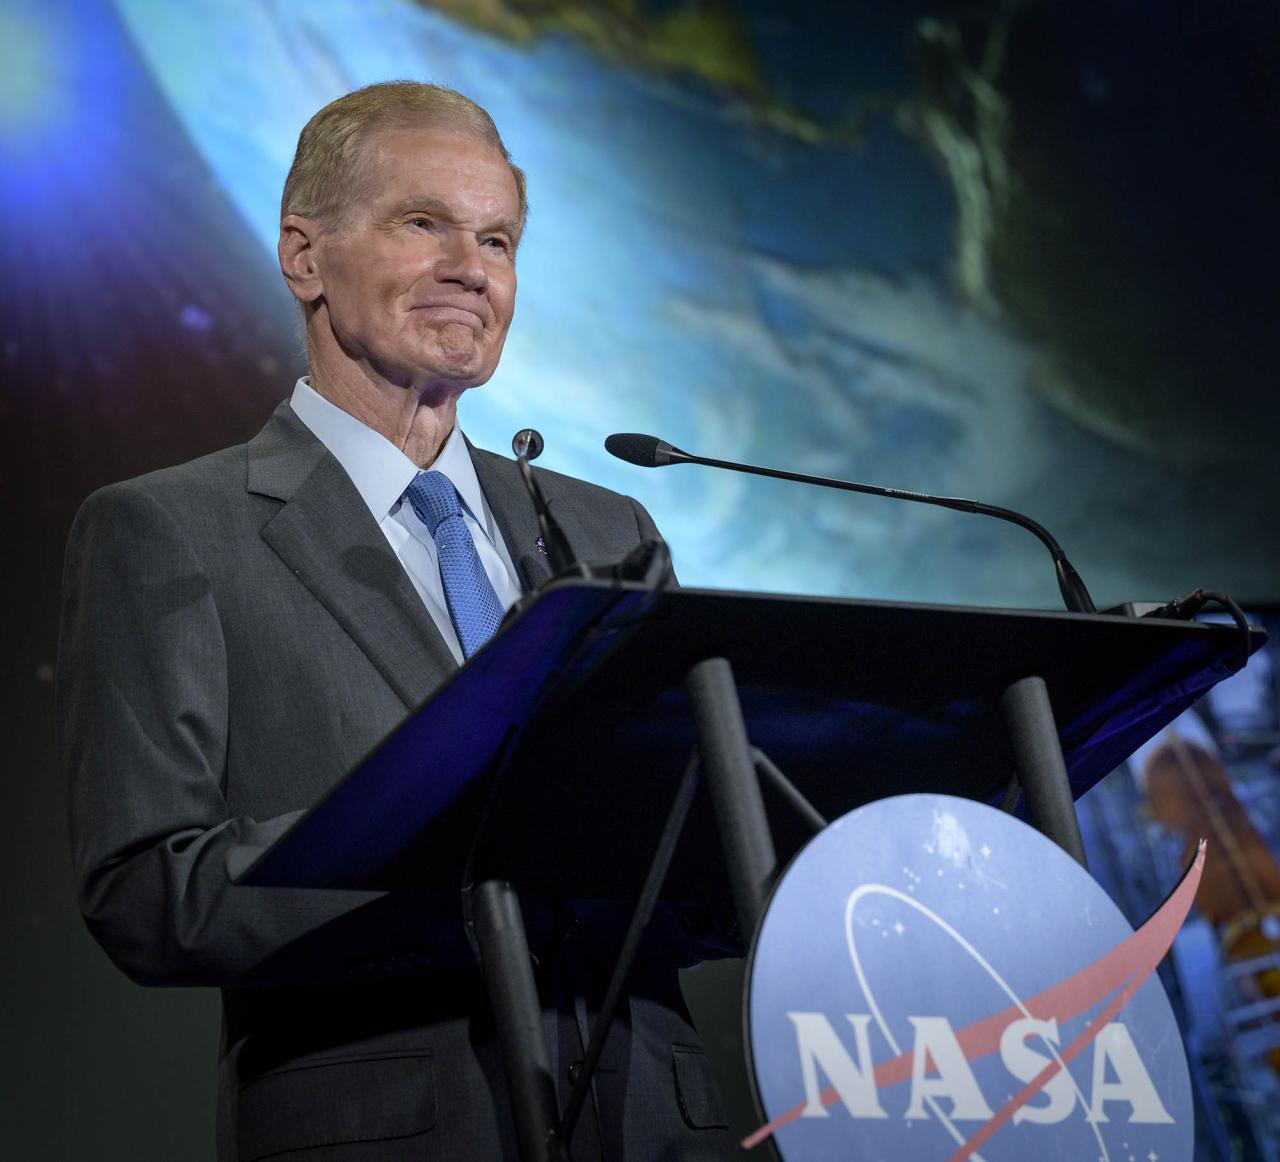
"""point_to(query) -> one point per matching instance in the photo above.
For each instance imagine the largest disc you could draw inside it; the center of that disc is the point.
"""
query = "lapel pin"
(541, 546)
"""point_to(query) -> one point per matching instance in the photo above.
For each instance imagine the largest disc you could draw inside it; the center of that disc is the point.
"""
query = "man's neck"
(417, 421)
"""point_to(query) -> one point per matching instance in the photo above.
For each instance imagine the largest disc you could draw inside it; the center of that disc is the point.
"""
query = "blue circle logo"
(934, 979)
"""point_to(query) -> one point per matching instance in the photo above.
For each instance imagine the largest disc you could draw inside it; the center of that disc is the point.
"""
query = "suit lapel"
(325, 534)
(513, 510)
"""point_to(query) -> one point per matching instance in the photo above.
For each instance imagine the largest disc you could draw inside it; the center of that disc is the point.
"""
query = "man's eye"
(424, 223)
(498, 244)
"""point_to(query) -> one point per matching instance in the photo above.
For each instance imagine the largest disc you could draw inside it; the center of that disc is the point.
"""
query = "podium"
(586, 727)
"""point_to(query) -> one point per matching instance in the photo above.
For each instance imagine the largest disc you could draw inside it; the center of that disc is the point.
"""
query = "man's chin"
(458, 351)
(457, 373)
(464, 372)
(463, 363)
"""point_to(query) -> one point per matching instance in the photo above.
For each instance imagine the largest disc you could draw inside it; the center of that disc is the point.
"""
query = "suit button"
(575, 1072)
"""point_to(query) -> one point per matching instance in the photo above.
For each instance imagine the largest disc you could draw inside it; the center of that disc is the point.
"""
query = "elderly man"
(239, 631)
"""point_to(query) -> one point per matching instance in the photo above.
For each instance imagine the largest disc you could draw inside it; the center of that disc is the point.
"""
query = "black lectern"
(566, 755)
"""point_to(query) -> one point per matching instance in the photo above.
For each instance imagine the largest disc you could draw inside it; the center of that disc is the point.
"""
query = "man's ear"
(297, 251)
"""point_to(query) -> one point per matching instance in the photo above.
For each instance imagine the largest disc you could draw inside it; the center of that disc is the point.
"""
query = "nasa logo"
(934, 979)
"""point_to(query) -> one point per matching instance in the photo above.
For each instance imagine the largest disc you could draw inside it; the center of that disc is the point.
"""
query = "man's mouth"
(451, 313)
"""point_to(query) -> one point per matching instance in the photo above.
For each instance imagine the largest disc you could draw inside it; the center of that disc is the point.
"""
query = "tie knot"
(434, 499)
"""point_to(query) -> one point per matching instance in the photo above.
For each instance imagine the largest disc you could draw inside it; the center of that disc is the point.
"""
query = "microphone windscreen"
(634, 448)
(527, 442)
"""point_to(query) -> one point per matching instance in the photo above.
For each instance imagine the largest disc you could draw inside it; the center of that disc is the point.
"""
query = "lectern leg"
(508, 975)
(1037, 756)
(730, 774)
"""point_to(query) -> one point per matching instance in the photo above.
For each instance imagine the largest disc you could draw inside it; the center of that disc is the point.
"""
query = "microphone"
(650, 452)
(646, 451)
(527, 444)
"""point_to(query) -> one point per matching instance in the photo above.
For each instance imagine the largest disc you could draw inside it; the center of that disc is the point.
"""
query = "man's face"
(419, 280)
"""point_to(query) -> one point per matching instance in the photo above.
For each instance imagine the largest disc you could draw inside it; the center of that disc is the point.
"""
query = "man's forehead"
(421, 168)
(426, 152)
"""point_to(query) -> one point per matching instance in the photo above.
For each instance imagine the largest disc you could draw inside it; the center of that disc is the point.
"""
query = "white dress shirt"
(381, 472)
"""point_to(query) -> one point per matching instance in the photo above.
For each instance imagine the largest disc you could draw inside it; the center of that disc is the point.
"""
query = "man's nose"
(462, 262)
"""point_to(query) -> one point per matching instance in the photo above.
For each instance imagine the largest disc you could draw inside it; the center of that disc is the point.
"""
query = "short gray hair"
(327, 163)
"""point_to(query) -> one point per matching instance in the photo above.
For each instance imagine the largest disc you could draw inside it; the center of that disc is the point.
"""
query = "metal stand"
(787, 791)
(749, 855)
(733, 771)
(1037, 756)
(508, 975)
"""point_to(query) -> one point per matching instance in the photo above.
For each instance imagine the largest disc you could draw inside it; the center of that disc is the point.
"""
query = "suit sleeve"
(142, 737)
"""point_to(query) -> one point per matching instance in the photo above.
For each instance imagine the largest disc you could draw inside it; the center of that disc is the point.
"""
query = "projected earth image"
(760, 258)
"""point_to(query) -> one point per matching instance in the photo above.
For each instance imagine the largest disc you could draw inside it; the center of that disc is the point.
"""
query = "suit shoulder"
(197, 482)
(218, 471)
(557, 483)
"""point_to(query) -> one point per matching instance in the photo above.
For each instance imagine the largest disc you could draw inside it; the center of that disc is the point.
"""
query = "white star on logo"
(898, 928)
(986, 851)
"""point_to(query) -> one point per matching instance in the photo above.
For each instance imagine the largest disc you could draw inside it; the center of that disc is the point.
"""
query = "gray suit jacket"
(236, 635)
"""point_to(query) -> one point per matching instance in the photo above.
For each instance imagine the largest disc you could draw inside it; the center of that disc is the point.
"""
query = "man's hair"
(328, 165)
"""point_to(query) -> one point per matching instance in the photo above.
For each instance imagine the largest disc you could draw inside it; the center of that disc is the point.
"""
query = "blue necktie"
(473, 604)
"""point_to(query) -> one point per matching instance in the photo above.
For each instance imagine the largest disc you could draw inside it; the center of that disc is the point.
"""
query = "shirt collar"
(378, 469)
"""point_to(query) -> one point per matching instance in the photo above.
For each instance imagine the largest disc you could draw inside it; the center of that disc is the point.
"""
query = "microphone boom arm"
(1074, 594)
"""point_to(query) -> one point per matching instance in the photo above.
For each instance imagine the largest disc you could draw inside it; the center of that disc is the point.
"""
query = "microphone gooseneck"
(650, 452)
(527, 444)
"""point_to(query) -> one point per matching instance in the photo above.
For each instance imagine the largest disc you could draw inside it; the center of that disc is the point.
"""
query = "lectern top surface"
(580, 702)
